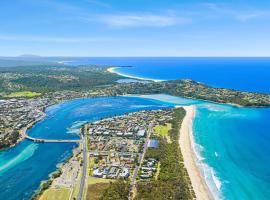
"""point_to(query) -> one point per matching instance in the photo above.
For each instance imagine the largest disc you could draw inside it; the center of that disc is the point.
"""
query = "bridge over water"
(41, 140)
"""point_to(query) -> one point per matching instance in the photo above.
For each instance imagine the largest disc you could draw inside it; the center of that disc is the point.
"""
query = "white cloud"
(141, 20)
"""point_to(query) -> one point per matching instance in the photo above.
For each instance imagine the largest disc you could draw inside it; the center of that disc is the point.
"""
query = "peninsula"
(34, 88)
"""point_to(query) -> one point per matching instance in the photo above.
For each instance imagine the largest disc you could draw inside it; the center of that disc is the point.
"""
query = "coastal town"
(20, 109)
(115, 150)
(18, 114)
(120, 151)
(134, 100)
(117, 145)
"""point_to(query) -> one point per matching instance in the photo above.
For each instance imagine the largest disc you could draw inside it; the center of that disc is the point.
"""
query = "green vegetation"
(162, 130)
(97, 80)
(56, 194)
(192, 89)
(9, 139)
(27, 94)
(51, 78)
(173, 181)
(116, 190)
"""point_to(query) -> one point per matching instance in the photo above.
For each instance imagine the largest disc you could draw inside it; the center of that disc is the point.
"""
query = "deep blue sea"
(246, 74)
(232, 144)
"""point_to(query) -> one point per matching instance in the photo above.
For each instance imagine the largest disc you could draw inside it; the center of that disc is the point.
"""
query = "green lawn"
(56, 194)
(27, 94)
(162, 130)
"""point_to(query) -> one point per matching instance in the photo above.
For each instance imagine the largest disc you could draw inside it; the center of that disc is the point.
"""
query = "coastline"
(198, 182)
(112, 70)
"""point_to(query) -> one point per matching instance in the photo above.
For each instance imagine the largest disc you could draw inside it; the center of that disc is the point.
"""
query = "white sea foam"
(212, 181)
(216, 107)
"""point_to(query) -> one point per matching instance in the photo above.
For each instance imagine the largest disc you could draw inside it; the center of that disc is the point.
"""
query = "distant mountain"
(26, 60)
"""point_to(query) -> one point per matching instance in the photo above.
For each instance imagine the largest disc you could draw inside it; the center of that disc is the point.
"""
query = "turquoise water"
(232, 146)
(235, 144)
(23, 167)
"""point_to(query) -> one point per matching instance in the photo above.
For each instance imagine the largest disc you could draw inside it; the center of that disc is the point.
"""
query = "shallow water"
(232, 148)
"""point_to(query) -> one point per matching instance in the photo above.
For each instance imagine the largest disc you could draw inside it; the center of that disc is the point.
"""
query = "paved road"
(141, 156)
(84, 171)
(47, 140)
(109, 152)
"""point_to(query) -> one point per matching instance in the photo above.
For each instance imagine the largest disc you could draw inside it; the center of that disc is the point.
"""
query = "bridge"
(42, 140)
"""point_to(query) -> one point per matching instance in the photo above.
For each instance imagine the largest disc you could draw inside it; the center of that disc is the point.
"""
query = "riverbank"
(198, 182)
(113, 70)
(63, 180)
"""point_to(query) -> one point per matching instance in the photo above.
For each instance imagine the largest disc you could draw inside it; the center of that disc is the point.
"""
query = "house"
(124, 173)
(141, 133)
(98, 173)
(113, 173)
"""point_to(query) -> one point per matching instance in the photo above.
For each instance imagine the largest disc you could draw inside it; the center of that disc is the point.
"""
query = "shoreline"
(112, 70)
(198, 182)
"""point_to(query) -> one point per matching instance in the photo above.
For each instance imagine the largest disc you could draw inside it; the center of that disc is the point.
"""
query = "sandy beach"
(201, 190)
(112, 70)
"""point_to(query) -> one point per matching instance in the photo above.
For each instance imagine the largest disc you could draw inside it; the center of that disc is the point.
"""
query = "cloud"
(240, 14)
(141, 20)
(47, 39)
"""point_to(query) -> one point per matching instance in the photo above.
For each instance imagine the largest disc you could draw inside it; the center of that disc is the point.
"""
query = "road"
(109, 152)
(84, 168)
(141, 156)
(46, 140)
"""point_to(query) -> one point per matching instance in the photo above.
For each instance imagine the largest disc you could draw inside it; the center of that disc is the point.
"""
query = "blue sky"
(135, 28)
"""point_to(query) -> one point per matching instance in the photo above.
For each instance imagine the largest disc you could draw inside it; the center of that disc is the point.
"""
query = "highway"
(84, 170)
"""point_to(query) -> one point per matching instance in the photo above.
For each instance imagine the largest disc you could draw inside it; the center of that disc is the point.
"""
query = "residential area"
(116, 146)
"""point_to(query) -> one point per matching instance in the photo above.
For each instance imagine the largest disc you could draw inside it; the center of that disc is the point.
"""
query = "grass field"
(93, 180)
(56, 194)
(94, 191)
(26, 94)
(162, 130)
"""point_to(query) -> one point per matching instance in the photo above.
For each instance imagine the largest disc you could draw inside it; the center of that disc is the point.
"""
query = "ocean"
(232, 144)
(245, 74)
(232, 147)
